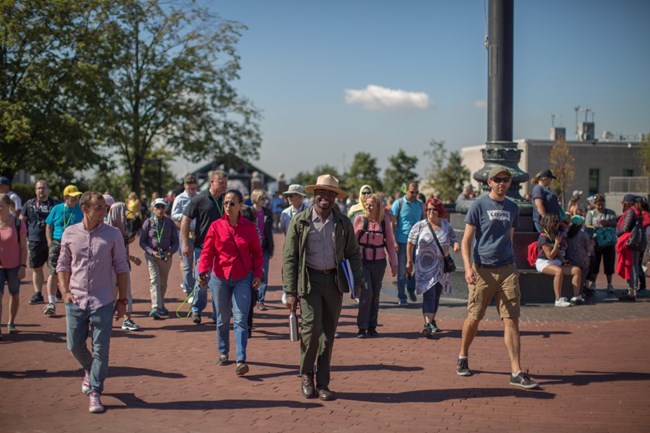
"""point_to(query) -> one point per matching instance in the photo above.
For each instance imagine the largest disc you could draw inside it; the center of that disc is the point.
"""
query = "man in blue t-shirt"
(62, 216)
(405, 212)
(490, 222)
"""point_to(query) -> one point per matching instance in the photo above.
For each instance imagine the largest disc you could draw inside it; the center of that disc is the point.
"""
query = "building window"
(628, 172)
(594, 180)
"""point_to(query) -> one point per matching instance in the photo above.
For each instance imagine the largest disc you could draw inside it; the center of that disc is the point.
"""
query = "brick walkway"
(593, 363)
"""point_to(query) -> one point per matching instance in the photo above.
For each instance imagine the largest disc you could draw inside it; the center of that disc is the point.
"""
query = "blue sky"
(335, 77)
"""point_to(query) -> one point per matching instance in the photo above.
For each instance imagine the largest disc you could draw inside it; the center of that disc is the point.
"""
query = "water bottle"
(293, 327)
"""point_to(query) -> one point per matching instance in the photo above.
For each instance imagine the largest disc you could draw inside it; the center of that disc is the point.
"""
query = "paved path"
(593, 363)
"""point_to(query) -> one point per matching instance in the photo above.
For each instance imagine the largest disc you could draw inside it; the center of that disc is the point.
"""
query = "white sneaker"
(577, 300)
(562, 302)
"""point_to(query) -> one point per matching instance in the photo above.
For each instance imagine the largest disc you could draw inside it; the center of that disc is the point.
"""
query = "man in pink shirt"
(91, 252)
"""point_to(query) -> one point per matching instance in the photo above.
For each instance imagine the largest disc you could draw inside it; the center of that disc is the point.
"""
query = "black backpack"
(367, 245)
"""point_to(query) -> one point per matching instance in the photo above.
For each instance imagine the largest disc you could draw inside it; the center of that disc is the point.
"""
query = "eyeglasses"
(229, 203)
(325, 192)
(432, 209)
(501, 179)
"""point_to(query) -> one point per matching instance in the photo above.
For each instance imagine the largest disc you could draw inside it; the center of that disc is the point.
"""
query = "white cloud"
(480, 103)
(380, 98)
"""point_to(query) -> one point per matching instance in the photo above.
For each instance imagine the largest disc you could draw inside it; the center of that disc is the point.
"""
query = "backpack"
(365, 230)
(532, 253)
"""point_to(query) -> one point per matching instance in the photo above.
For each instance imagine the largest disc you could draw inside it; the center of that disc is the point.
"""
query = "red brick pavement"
(592, 362)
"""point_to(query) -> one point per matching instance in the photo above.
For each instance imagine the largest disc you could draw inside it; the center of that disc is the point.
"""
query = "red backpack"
(533, 253)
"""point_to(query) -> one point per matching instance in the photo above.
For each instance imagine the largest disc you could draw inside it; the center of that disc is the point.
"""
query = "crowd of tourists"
(224, 241)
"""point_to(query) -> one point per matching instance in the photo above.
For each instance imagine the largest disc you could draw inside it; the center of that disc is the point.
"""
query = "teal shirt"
(409, 214)
(61, 217)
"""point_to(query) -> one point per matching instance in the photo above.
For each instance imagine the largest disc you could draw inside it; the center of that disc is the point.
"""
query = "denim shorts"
(11, 277)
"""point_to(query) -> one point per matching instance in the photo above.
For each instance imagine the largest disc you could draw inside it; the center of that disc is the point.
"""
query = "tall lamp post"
(499, 147)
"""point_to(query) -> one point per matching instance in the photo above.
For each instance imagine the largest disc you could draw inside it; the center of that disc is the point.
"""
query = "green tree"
(363, 171)
(43, 126)
(561, 163)
(447, 173)
(401, 169)
(164, 79)
(644, 155)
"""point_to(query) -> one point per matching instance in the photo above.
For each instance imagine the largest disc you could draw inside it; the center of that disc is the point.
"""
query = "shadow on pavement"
(133, 402)
(582, 378)
(439, 395)
(115, 371)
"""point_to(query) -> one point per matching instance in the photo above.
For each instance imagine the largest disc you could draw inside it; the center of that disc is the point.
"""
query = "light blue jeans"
(188, 266)
(78, 323)
(235, 295)
(201, 293)
(402, 283)
(261, 290)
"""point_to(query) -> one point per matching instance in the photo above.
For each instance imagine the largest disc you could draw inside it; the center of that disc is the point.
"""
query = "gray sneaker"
(130, 325)
(462, 367)
(523, 380)
(49, 310)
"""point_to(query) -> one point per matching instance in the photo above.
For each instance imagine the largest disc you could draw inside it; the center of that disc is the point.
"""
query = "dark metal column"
(499, 148)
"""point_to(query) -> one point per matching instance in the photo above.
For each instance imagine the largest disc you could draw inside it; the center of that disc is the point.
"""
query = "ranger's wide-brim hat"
(328, 182)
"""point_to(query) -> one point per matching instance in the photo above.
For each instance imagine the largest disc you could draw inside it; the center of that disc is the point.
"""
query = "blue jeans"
(261, 290)
(188, 267)
(235, 295)
(431, 299)
(402, 282)
(78, 323)
(635, 272)
(201, 293)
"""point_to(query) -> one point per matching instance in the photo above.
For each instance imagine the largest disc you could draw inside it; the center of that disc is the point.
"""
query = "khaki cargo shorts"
(500, 283)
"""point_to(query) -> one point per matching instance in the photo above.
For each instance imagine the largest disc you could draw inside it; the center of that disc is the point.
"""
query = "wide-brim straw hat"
(328, 182)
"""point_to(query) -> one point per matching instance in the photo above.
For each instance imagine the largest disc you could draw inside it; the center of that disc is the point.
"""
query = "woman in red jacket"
(626, 223)
(232, 252)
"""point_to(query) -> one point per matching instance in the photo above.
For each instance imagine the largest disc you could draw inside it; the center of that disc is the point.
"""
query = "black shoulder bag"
(448, 263)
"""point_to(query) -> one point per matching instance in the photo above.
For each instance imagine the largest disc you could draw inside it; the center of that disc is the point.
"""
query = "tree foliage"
(102, 81)
(165, 80)
(562, 164)
(446, 174)
(363, 171)
(43, 125)
(401, 169)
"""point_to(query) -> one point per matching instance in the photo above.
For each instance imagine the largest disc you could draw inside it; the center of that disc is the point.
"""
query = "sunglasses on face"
(160, 206)
(365, 192)
(325, 192)
(501, 179)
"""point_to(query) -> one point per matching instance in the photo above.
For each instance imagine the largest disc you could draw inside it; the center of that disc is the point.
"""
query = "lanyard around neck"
(66, 222)
(160, 232)
(216, 203)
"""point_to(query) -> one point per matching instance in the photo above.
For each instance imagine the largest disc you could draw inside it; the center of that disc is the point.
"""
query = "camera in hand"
(162, 254)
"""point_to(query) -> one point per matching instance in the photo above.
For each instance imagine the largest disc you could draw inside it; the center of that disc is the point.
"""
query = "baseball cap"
(109, 199)
(577, 192)
(498, 169)
(71, 190)
(158, 202)
(547, 173)
(4, 180)
(630, 198)
(577, 219)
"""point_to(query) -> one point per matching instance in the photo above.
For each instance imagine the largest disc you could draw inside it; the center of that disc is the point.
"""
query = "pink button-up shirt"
(91, 257)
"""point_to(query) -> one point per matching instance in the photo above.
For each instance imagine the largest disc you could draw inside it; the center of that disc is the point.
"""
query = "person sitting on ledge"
(551, 260)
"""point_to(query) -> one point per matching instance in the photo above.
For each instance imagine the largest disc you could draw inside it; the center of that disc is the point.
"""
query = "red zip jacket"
(232, 252)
